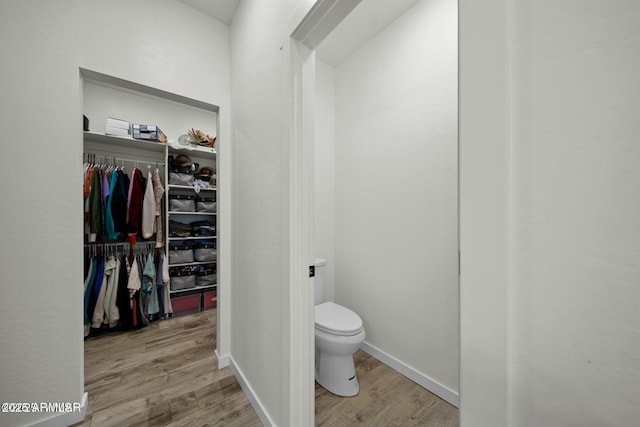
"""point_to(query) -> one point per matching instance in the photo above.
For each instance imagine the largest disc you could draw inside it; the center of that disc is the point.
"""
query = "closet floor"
(386, 398)
(163, 375)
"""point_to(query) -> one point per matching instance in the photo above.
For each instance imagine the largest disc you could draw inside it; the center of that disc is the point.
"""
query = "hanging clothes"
(122, 290)
(143, 293)
(88, 283)
(110, 224)
(116, 206)
(95, 209)
(98, 314)
(158, 191)
(168, 308)
(119, 196)
(109, 271)
(123, 301)
(160, 287)
(134, 205)
(134, 277)
(134, 286)
(149, 277)
(91, 295)
(148, 209)
(105, 172)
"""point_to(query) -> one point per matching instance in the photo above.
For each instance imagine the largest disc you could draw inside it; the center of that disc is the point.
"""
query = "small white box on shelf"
(116, 127)
(110, 130)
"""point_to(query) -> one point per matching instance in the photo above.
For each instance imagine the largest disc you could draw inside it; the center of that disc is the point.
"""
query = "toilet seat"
(337, 320)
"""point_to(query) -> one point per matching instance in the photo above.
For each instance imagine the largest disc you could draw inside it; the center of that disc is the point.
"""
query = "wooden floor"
(163, 375)
(166, 375)
(386, 398)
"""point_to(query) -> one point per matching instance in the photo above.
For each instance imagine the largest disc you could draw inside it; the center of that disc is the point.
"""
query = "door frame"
(298, 180)
(299, 98)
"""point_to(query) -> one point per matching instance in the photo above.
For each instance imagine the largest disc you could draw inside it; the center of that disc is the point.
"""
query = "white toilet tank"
(320, 265)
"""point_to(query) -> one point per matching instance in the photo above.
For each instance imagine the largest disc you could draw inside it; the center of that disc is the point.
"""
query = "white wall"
(256, 321)
(396, 220)
(576, 213)
(484, 234)
(569, 147)
(43, 45)
(324, 156)
(260, 311)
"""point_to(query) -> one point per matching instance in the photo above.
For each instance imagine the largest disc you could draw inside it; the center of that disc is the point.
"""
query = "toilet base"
(337, 374)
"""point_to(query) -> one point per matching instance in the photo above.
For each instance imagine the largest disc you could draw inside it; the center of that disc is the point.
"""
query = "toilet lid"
(336, 319)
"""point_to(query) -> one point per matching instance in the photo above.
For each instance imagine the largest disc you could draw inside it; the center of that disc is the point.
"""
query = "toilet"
(339, 333)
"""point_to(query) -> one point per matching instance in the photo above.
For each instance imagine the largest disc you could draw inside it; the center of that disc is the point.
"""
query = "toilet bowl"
(338, 334)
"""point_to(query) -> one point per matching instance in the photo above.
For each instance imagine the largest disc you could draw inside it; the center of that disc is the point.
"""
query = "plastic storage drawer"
(186, 304)
(210, 299)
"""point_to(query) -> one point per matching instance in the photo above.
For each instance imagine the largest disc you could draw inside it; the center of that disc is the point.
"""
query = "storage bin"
(203, 252)
(207, 276)
(183, 277)
(210, 299)
(180, 178)
(206, 204)
(182, 203)
(179, 283)
(186, 304)
(180, 254)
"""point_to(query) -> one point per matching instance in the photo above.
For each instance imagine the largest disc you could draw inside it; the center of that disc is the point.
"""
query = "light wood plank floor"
(386, 398)
(166, 375)
(163, 375)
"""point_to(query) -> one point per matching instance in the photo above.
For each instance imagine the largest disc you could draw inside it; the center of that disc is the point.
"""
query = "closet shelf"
(124, 141)
(179, 147)
(188, 187)
(192, 238)
(193, 289)
(193, 213)
(186, 264)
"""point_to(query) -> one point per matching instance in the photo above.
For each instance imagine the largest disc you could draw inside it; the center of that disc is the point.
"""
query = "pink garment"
(148, 209)
(158, 191)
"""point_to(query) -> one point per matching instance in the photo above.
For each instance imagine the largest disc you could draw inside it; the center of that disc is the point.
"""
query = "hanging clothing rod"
(114, 159)
(106, 244)
(110, 244)
(144, 248)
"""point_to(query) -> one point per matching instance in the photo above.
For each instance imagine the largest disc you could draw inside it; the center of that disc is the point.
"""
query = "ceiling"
(365, 21)
(222, 10)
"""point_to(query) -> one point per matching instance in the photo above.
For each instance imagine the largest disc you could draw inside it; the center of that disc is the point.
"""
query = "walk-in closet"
(149, 187)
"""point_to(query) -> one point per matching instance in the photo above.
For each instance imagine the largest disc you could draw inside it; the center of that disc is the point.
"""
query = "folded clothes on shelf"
(203, 229)
(179, 229)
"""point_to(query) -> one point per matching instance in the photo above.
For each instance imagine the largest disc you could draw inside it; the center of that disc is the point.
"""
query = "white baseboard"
(223, 361)
(251, 395)
(65, 419)
(419, 378)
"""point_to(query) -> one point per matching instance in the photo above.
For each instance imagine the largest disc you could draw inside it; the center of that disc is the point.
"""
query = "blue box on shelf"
(148, 132)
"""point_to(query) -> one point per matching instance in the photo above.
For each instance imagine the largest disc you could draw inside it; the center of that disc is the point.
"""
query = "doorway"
(395, 228)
